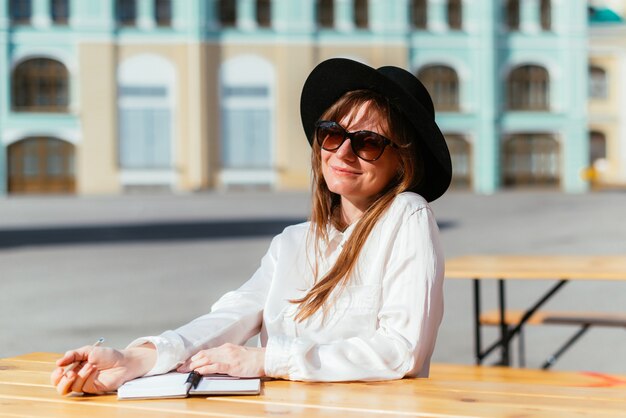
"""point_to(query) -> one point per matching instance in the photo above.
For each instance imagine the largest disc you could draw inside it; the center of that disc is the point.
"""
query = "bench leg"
(508, 333)
(521, 349)
(505, 335)
(477, 325)
(554, 357)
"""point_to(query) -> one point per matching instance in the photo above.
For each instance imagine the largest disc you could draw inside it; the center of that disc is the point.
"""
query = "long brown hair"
(325, 203)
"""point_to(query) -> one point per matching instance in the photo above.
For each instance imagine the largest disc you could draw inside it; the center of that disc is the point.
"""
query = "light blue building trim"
(5, 86)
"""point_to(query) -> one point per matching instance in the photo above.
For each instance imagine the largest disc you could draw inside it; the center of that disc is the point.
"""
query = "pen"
(76, 363)
(192, 380)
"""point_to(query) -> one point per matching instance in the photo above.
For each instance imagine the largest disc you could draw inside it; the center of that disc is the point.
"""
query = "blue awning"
(603, 15)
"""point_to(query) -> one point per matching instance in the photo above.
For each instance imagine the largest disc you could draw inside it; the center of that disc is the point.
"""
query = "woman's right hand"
(101, 369)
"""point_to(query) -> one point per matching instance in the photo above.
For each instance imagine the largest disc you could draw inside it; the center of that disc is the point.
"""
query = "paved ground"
(74, 269)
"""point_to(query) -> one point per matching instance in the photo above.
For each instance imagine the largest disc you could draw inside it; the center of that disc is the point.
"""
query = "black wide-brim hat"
(334, 77)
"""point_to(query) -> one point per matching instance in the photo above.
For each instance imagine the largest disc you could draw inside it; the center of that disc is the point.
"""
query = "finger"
(80, 354)
(81, 376)
(65, 384)
(56, 375)
(221, 368)
(184, 368)
(200, 355)
(68, 358)
(200, 359)
(92, 385)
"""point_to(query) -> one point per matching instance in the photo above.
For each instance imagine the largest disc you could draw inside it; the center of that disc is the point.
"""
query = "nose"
(345, 151)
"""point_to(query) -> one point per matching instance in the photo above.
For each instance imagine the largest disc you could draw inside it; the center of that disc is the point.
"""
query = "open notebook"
(181, 385)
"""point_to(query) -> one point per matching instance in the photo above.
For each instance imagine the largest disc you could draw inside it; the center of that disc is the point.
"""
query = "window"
(145, 128)
(418, 13)
(126, 12)
(264, 13)
(20, 11)
(529, 88)
(41, 165)
(247, 115)
(512, 15)
(145, 114)
(598, 88)
(325, 13)
(597, 147)
(245, 129)
(461, 161)
(228, 13)
(531, 160)
(60, 10)
(163, 12)
(546, 15)
(40, 85)
(455, 14)
(443, 85)
(361, 14)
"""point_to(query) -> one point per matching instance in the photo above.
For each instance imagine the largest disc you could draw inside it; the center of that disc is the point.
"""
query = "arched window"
(247, 120)
(529, 88)
(40, 85)
(325, 13)
(512, 15)
(455, 14)
(228, 13)
(41, 165)
(419, 13)
(146, 118)
(126, 12)
(597, 147)
(546, 15)
(20, 11)
(163, 12)
(531, 160)
(442, 83)
(460, 154)
(60, 11)
(598, 88)
(361, 14)
(264, 13)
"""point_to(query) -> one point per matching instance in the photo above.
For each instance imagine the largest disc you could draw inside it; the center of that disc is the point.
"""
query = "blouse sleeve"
(408, 320)
(234, 318)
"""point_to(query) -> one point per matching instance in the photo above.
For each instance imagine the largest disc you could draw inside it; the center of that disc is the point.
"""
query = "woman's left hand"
(231, 359)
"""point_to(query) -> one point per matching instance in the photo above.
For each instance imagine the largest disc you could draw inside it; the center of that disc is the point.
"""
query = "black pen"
(192, 380)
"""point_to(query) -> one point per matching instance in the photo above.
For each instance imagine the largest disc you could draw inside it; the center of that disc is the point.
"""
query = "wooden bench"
(584, 320)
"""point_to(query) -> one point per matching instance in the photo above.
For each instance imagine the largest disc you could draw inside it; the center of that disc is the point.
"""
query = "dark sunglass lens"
(330, 136)
(368, 145)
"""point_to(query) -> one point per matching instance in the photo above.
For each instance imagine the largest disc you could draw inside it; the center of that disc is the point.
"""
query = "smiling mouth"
(345, 171)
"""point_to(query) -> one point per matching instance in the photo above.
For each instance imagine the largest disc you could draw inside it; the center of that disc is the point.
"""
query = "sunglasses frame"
(346, 134)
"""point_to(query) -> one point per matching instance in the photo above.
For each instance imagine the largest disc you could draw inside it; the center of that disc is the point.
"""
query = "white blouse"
(382, 325)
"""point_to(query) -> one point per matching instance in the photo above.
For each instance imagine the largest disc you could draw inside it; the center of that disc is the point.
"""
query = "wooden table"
(452, 390)
(561, 268)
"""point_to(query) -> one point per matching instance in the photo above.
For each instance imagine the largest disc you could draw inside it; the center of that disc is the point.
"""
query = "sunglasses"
(366, 145)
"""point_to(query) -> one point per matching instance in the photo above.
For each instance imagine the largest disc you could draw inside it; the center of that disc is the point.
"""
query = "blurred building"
(607, 92)
(104, 96)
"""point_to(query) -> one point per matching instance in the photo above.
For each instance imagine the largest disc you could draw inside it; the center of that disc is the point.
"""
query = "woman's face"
(351, 177)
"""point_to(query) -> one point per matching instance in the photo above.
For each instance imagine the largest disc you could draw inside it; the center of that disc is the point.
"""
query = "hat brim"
(334, 77)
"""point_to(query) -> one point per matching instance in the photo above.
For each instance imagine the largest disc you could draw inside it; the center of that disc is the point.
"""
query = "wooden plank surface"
(537, 267)
(513, 317)
(453, 390)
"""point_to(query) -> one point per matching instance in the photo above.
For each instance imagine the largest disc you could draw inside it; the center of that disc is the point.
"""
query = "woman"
(354, 294)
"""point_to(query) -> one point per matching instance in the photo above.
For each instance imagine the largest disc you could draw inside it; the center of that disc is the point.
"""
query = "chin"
(341, 189)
